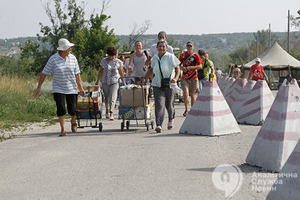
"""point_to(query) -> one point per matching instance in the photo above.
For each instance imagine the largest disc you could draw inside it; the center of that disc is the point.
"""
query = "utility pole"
(249, 56)
(257, 44)
(269, 35)
(288, 39)
(288, 35)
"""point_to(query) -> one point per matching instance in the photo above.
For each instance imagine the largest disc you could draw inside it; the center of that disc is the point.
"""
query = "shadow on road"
(245, 168)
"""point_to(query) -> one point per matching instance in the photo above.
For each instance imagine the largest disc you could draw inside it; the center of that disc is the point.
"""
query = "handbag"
(165, 82)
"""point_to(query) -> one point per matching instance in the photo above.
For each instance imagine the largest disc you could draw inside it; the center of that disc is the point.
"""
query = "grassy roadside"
(18, 107)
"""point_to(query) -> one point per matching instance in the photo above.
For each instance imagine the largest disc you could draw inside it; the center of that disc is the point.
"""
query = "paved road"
(134, 164)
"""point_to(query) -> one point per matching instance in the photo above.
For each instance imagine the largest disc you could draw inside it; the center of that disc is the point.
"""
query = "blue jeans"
(201, 84)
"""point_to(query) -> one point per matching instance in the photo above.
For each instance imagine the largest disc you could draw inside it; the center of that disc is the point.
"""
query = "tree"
(175, 43)
(65, 22)
(136, 33)
(220, 59)
(263, 39)
(294, 41)
(295, 20)
(91, 37)
(240, 56)
(92, 42)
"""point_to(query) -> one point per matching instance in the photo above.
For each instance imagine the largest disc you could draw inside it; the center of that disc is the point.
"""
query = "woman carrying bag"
(162, 66)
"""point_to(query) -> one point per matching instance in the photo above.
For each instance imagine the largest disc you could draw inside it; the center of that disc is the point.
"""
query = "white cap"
(64, 44)
(258, 60)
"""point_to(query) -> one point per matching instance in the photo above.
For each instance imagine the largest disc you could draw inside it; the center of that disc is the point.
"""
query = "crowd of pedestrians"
(159, 65)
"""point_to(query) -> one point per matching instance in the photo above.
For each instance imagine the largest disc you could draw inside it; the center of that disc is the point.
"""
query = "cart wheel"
(152, 124)
(122, 126)
(100, 126)
(127, 125)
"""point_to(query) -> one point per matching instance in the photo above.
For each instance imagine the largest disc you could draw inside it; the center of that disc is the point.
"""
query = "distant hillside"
(224, 43)
(11, 46)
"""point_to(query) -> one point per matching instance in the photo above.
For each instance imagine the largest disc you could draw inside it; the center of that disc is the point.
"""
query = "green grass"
(18, 107)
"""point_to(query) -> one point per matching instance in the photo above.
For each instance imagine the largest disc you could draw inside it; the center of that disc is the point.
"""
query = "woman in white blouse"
(163, 63)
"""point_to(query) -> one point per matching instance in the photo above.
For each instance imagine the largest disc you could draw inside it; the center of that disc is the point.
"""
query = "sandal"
(63, 134)
(158, 129)
(185, 113)
(170, 125)
(111, 118)
(74, 127)
(106, 116)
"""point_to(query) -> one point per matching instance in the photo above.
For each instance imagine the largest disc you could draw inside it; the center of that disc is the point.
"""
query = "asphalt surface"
(129, 164)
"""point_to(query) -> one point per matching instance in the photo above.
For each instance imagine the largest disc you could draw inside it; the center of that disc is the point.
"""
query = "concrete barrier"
(257, 106)
(280, 133)
(210, 115)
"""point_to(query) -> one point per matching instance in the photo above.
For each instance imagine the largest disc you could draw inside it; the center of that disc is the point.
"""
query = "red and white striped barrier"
(237, 105)
(228, 85)
(220, 80)
(230, 90)
(223, 82)
(237, 87)
(210, 115)
(256, 108)
(281, 131)
(287, 183)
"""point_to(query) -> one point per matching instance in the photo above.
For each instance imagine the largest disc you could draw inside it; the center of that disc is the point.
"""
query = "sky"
(21, 18)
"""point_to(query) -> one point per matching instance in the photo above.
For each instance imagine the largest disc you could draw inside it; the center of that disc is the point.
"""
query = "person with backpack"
(190, 62)
(203, 74)
(138, 59)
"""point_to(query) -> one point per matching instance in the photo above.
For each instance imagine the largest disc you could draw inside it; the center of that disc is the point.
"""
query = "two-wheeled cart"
(89, 108)
(135, 104)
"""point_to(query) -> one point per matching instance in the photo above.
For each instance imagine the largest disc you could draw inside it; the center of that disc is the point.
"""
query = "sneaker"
(106, 116)
(185, 113)
(158, 129)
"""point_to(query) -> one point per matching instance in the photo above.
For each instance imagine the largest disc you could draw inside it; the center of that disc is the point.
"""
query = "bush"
(18, 106)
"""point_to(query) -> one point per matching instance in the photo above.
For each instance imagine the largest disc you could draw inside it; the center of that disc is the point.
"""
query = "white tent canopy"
(276, 58)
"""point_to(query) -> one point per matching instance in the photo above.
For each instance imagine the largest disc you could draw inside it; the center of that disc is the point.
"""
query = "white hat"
(258, 60)
(64, 44)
